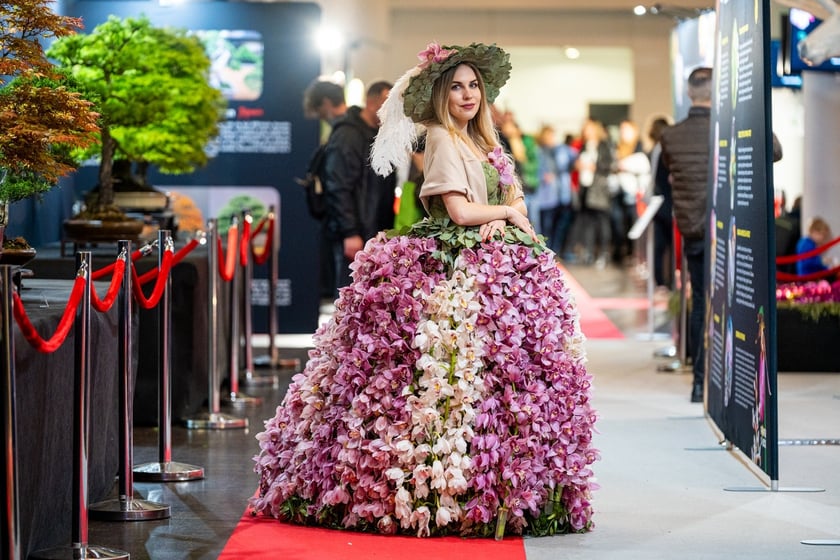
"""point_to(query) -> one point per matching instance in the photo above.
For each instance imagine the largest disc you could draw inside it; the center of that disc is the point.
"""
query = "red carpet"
(263, 538)
(593, 321)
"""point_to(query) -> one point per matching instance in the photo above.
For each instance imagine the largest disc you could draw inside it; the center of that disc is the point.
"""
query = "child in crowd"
(819, 233)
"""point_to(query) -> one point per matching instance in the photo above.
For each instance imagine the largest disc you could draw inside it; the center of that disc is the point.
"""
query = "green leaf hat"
(491, 61)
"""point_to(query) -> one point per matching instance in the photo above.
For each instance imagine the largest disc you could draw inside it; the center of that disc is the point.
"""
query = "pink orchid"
(503, 165)
(433, 53)
(408, 413)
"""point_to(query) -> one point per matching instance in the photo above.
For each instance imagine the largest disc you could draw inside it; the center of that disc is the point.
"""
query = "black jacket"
(686, 151)
(359, 202)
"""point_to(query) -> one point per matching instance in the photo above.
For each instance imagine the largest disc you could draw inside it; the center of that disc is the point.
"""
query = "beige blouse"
(450, 166)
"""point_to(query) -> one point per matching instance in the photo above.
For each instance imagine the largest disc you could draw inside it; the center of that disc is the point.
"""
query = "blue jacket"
(811, 264)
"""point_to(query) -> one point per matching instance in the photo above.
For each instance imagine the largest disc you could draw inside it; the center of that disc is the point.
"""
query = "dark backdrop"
(265, 143)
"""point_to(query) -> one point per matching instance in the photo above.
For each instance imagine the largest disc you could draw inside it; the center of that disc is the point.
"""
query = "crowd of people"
(583, 191)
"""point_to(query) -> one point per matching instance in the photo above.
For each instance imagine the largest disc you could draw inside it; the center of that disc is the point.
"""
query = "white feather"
(395, 140)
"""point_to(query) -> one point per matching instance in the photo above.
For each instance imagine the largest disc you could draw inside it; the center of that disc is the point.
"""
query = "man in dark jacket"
(324, 100)
(359, 202)
(686, 150)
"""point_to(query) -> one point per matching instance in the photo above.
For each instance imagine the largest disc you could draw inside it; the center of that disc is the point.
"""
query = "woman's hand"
(521, 221)
(489, 230)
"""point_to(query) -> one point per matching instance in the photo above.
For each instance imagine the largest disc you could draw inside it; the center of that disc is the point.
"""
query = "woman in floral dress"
(448, 394)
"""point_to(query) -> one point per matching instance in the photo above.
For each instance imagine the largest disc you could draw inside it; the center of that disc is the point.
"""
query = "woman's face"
(464, 95)
(627, 132)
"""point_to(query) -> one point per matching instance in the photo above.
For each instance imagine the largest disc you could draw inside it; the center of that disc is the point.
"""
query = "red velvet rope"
(104, 271)
(147, 277)
(113, 289)
(67, 319)
(226, 267)
(264, 220)
(787, 277)
(160, 284)
(260, 257)
(245, 243)
(790, 259)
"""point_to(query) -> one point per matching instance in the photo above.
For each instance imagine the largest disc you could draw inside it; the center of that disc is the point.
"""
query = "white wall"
(821, 185)
(788, 124)
(625, 59)
(548, 88)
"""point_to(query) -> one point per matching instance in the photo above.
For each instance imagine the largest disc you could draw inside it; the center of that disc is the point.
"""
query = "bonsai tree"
(42, 120)
(150, 86)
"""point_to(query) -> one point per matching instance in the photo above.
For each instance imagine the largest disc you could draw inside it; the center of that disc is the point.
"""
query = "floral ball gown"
(447, 395)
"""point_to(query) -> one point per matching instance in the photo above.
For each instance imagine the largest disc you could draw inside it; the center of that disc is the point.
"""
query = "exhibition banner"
(740, 249)
(262, 58)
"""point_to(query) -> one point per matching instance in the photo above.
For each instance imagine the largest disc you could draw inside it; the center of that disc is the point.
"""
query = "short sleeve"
(443, 167)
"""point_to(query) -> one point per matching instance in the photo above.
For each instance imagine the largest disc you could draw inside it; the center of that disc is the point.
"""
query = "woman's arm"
(466, 213)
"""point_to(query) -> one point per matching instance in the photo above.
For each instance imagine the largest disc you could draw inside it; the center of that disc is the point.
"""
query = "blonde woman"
(405, 418)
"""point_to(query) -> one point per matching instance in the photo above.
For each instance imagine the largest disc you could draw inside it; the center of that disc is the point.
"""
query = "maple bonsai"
(150, 86)
(42, 119)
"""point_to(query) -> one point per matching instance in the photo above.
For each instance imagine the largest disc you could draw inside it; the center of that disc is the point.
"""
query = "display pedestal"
(805, 344)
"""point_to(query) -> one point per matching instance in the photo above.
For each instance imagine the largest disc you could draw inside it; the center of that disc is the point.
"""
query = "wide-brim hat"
(492, 62)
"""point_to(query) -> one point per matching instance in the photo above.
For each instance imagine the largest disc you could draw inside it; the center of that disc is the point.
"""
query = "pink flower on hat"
(433, 53)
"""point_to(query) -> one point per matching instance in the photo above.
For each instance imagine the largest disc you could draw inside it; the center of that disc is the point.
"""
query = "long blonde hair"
(627, 145)
(480, 129)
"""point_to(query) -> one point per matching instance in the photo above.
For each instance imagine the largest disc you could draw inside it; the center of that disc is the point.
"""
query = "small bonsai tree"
(42, 120)
(151, 87)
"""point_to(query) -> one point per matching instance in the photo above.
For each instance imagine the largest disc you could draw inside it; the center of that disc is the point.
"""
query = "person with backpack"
(359, 203)
(323, 100)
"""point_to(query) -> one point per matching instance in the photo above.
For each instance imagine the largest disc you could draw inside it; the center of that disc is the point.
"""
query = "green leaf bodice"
(453, 237)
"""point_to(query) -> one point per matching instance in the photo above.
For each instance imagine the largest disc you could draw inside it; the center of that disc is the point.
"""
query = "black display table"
(805, 344)
(189, 348)
(44, 393)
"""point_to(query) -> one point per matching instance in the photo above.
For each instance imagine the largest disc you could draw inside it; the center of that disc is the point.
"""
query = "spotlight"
(640, 10)
(329, 39)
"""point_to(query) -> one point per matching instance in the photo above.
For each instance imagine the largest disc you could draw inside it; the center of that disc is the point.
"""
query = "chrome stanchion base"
(674, 367)
(167, 472)
(215, 421)
(78, 552)
(666, 352)
(252, 379)
(128, 510)
(652, 337)
(241, 400)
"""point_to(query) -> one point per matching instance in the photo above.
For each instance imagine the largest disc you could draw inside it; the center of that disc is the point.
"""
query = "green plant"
(42, 120)
(150, 86)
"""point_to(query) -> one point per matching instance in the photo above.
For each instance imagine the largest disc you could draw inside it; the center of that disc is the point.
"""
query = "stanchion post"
(125, 507)
(165, 470)
(234, 397)
(79, 547)
(10, 516)
(250, 377)
(274, 359)
(273, 273)
(642, 226)
(679, 365)
(213, 419)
